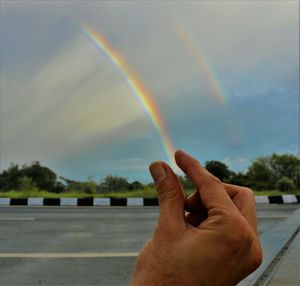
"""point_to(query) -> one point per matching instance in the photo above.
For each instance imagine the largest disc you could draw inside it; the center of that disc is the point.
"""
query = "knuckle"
(248, 192)
(166, 194)
(211, 182)
(215, 180)
(248, 195)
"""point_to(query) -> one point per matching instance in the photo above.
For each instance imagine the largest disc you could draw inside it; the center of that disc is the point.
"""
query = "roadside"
(143, 193)
(110, 201)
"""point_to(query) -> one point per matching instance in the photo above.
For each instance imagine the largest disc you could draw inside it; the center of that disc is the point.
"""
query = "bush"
(285, 184)
(114, 183)
(25, 184)
(136, 185)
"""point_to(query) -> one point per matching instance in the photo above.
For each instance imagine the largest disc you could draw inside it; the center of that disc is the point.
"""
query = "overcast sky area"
(228, 92)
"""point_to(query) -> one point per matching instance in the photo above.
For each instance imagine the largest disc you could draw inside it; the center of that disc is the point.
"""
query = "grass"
(146, 193)
(275, 193)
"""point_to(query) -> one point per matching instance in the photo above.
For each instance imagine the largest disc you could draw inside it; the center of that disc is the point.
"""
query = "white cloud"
(72, 96)
(237, 163)
(75, 96)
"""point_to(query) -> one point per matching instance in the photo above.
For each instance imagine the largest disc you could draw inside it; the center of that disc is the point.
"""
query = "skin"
(209, 238)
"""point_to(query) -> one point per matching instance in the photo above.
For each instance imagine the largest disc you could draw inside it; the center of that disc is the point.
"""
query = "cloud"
(63, 103)
(76, 95)
(237, 163)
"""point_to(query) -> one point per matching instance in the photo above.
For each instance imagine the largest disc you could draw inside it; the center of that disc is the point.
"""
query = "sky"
(91, 88)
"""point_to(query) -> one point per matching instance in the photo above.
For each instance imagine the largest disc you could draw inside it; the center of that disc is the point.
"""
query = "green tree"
(239, 178)
(43, 177)
(136, 185)
(286, 165)
(285, 184)
(218, 169)
(25, 184)
(114, 183)
(260, 174)
(9, 179)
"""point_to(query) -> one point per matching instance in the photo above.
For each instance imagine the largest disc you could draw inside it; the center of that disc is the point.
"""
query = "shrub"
(285, 184)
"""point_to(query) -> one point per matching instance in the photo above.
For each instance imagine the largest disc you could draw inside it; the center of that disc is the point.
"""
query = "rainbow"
(202, 62)
(137, 89)
(211, 77)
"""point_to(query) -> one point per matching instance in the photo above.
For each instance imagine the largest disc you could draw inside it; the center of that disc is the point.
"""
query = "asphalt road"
(83, 245)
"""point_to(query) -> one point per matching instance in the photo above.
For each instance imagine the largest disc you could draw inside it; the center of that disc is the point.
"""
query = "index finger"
(211, 190)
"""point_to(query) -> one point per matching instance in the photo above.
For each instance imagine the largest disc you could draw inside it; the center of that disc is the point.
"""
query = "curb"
(273, 243)
(283, 199)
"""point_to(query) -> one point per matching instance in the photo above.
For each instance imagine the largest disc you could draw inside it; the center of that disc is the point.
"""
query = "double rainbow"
(202, 62)
(137, 89)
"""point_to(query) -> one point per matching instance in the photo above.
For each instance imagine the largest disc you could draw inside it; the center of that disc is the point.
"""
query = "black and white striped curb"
(284, 199)
(79, 202)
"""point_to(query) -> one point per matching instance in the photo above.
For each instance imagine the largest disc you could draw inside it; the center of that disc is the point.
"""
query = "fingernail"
(158, 172)
(181, 151)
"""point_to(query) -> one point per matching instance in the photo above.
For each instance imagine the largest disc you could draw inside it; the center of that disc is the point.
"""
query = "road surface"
(83, 245)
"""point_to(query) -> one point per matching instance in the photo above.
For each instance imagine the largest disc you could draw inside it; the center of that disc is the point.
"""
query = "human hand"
(209, 238)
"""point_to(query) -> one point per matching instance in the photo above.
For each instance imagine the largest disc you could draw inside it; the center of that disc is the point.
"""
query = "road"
(83, 245)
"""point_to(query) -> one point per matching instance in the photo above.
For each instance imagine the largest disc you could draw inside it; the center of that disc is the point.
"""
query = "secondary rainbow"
(141, 94)
(202, 62)
(210, 76)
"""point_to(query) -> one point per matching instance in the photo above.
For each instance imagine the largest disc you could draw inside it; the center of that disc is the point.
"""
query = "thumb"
(170, 195)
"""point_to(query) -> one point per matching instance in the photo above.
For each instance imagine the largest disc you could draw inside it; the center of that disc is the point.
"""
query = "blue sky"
(64, 104)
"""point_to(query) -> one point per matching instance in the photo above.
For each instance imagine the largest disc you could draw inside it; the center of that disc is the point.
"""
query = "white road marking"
(17, 218)
(69, 255)
(273, 216)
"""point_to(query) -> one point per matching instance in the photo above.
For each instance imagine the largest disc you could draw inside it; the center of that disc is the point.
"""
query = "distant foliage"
(136, 185)
(218, 169)
(266, 172)
(239, 178)
(281, 172)
(114, 183)
(261, 175)
(285, 184)
(32, 176)
(26, 184)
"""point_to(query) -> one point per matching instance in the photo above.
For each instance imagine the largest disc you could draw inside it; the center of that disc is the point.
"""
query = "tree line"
(281, 172)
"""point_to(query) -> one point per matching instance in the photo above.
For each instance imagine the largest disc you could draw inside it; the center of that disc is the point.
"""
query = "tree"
(218, 169)
(9, 179)
(114, 183)
(59, 187)
(260, 174)
(136, 185)
(286, 165)
(25, 184)
(285, 184)
(43, 177)
(239, 178)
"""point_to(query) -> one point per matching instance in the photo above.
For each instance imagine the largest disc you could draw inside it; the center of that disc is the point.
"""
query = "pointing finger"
(211, 190)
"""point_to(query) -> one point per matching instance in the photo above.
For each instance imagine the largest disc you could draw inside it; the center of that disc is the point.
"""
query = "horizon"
(99, 179)
(98, 88)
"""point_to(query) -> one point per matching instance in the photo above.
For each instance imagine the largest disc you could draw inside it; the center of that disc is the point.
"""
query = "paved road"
(82, 246)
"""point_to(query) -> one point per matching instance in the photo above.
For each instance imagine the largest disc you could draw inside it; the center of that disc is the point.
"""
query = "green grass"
(146, 193)
(275, 193)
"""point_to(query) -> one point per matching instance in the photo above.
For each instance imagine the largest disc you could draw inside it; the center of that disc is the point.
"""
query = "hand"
(209, 238)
